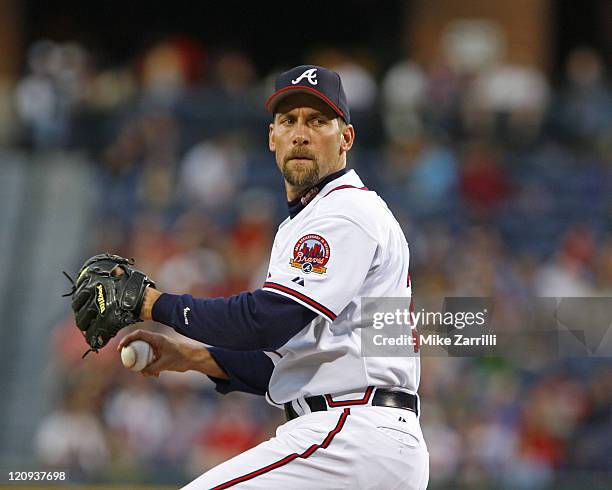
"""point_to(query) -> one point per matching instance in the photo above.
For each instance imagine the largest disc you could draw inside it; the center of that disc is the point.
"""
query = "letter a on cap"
(311, 74)
(322, 83)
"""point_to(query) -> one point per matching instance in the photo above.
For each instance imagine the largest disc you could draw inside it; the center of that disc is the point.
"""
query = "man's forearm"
(201, 361)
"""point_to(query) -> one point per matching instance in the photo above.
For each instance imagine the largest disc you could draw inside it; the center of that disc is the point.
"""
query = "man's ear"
(271, 143)
(348, 137)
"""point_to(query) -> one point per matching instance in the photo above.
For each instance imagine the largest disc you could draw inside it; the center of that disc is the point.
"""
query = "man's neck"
(293, 192)
(301, 201)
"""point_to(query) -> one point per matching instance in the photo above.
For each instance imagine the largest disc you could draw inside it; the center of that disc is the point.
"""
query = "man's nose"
(300, 137)
(300, 140)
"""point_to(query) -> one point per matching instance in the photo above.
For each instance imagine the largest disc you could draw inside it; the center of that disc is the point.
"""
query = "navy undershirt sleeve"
(249, 321)
(249, 372)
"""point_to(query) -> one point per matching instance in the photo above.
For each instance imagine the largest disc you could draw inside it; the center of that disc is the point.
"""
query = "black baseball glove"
(104, 301)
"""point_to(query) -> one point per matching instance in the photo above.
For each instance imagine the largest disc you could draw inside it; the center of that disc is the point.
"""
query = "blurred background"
(138, 128)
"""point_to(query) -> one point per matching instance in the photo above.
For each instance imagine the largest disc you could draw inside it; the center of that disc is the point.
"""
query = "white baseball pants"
(351, 448)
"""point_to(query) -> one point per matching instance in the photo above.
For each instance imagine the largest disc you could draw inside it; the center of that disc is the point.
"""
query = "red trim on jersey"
(344, 403)
(287, 459)
(318, 306)
(346, 186)
(309, 89)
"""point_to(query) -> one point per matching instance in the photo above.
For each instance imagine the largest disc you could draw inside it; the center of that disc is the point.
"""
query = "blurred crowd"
(501, 179)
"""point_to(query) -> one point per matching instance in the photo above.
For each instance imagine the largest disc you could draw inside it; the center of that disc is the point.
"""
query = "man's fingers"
(150, 337)
(129, 338)
(153, 369)
(117, 271)
(163, 353)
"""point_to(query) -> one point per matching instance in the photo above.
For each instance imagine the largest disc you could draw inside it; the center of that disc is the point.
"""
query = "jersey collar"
(301, 202)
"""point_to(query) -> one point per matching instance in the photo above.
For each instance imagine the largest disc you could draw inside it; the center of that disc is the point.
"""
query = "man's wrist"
(151, 295)
(201, 360)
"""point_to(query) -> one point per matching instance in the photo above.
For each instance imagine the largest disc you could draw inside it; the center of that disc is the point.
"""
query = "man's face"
(308, 139)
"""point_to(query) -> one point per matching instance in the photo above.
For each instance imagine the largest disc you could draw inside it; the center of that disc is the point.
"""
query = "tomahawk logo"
(185, 315)
(311, 74)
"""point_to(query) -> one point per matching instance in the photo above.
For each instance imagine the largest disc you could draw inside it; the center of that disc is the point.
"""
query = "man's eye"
(318, 121)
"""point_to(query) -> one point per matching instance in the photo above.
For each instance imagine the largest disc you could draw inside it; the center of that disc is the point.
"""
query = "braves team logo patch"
(310, 254)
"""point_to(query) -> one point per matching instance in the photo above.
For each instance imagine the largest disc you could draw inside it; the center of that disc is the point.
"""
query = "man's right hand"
(171, 354)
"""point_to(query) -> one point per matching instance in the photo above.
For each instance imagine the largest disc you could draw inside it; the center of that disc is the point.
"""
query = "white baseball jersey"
(344, 245)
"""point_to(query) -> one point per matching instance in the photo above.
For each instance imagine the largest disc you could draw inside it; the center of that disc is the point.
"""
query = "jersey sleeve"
(248, 371)
(325, 265)
(245, 322)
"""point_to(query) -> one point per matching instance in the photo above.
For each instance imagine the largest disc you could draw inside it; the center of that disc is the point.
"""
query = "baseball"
(137, 355)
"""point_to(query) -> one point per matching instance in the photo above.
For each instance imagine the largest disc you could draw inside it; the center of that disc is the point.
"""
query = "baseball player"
(352, 421)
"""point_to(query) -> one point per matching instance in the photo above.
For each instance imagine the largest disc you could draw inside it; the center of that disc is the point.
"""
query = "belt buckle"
(363, 401)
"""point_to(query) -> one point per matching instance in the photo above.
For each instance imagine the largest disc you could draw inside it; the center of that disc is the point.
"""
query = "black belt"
(381, 398)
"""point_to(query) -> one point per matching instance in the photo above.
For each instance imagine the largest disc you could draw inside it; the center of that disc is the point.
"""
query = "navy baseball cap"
(310, 79)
